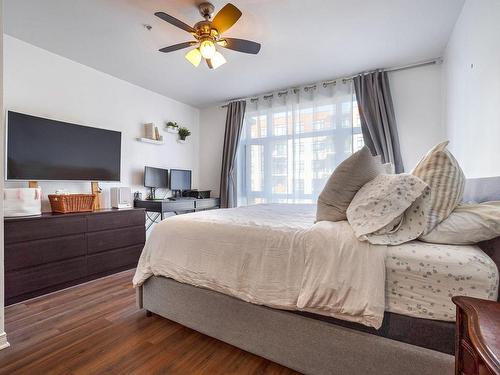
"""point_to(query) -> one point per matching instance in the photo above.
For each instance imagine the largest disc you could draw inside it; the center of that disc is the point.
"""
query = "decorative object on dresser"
(69, 203)
(22, 202)
(477, 337)
(52, 252)
(121, 197)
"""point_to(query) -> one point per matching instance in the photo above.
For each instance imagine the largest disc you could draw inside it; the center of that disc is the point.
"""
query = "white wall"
(212, 124)
(41, 83)
(417, 97)
(472, 88)
(417, 101)
(3, 337)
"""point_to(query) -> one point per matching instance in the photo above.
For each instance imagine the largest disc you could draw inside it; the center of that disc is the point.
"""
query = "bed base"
(298, 342)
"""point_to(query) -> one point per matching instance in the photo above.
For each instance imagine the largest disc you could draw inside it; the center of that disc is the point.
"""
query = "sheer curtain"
(293, 140)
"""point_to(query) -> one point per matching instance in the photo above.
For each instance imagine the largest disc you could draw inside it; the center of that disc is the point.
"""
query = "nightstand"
(477, 342)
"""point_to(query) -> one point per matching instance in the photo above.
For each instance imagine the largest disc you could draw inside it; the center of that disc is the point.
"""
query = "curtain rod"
(419, 64)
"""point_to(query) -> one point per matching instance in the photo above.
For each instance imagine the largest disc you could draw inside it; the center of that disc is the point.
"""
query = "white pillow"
(467, 224)
(390, 209)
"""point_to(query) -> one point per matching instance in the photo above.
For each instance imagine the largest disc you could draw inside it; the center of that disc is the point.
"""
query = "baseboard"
(3, 341)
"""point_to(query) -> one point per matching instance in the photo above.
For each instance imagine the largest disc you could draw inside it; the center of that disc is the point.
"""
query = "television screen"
(180, 179)
(42, 149)
(155, 177)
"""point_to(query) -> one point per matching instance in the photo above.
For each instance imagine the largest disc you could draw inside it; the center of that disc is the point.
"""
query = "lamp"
(207, 48)
(217, 60)
(194, 57)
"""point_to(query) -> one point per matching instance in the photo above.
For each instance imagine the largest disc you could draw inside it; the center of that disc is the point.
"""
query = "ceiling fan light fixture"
(217, 60)
(194, 57)
(207, 49)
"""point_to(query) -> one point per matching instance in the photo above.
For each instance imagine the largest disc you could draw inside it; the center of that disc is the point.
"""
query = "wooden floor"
(96, 328)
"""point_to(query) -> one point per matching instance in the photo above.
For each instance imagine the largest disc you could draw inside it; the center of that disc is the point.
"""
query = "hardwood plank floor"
(96, 328)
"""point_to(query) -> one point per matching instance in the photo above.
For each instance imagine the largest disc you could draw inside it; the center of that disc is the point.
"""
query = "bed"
(291, 325)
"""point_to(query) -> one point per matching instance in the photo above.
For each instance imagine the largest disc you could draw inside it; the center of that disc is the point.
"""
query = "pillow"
(440, 170)
(345, 182)
(390, 209)
(467, 224)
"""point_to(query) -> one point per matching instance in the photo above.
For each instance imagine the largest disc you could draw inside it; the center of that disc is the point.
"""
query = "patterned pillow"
(345, 182)
(390, 209)
(440, 170)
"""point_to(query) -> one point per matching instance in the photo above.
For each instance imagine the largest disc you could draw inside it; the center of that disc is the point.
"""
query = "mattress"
(420, 277)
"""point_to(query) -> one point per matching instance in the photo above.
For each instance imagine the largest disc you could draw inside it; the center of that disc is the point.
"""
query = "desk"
(179, 206)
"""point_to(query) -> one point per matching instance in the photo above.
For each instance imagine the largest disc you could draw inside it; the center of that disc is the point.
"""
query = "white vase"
(172, 130)
(181, 141)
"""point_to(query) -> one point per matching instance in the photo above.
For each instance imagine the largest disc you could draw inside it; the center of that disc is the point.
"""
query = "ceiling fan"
(208, 35)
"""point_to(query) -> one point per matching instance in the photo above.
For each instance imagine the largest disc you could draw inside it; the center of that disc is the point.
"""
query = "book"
(149, 131)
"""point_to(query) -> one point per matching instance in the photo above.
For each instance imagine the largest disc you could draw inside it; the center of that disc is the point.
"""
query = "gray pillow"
(345, 181)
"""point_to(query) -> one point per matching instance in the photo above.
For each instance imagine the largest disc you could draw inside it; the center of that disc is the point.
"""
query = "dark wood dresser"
(54, 251)
(477, 337)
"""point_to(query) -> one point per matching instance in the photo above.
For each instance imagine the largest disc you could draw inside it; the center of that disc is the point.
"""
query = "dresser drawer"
(207, 203)
(116, 238)
(114, 259)
(34, 253)
(117, 219)
(41, 277)
(39, 229)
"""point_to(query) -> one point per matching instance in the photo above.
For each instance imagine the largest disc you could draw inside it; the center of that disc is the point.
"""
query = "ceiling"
(302, 41)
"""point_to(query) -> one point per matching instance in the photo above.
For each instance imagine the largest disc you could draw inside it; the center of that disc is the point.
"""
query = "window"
(289, 149)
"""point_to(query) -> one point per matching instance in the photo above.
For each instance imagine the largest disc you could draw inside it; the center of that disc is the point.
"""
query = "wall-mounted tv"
(41, 149)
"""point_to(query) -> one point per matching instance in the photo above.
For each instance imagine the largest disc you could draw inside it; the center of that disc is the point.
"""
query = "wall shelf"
(171, 131)
(152, 141)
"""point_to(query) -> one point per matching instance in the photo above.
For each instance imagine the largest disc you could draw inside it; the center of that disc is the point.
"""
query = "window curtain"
(292, 141)
(378, 122)
(234, 124)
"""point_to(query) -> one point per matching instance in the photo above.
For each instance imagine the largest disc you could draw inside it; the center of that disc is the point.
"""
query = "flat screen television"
(43, 149)
(180, 179)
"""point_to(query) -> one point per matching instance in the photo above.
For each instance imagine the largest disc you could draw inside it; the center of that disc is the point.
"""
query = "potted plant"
(172, 127)
(183, 133)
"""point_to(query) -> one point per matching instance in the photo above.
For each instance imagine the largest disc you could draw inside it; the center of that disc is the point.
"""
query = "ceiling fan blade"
(175, 47)
(226, 18)
(174, 21)
(240, 45)
(209, 63)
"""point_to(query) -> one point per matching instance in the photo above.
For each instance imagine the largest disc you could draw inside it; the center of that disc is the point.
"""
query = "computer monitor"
(155, 178)
(180, 180)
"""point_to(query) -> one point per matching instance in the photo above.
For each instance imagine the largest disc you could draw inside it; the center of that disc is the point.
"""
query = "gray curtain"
(234, 125)
(378, 122)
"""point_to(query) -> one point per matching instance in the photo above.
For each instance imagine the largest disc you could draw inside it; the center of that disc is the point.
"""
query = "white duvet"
(272, 255)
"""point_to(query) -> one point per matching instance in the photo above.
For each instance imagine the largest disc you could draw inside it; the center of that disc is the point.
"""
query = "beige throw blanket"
(273, 255)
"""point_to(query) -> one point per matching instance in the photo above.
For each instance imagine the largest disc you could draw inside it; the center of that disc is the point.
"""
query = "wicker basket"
(72, 203)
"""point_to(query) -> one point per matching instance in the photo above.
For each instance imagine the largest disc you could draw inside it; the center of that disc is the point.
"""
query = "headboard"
(483, 190)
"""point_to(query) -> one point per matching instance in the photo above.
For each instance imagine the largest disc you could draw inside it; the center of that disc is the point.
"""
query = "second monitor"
(180, 180)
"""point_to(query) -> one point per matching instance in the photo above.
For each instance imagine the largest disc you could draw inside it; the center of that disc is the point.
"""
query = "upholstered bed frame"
(301, 342)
